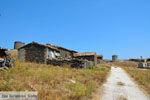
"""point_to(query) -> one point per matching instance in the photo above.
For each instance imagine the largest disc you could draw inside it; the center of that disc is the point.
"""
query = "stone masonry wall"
(74, 63)
(65, 54)
(35, 53)
(21, 54)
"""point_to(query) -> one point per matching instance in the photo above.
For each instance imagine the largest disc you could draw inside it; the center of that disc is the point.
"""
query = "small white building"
(145, 64)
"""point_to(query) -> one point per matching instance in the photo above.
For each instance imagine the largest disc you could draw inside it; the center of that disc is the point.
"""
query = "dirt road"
(119, 86)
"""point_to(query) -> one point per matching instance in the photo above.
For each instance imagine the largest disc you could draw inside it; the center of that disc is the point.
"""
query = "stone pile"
(6, 59)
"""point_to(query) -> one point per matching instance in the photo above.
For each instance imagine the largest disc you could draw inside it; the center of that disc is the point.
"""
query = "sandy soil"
(119, 86)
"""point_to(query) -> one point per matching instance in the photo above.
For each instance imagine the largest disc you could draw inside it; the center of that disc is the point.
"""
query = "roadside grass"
(53, 82)
(141, 76)
(126, 63)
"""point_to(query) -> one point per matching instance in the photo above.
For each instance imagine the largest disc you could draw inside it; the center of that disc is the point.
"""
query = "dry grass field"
(53, 82)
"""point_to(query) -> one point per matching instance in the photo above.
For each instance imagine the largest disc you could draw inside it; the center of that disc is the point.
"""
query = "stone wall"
(92, 58)
(100, 61)
(74, 63)
(65, 54)
(21, 54)
(35, 53)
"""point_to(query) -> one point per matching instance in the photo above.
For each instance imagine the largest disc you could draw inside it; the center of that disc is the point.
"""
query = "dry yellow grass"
(53, 82)
(122, 98)
(13, 53)
(126, 63)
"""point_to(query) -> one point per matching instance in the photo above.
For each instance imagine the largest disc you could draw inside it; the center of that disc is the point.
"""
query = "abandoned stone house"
(56, 55)
(35, 52)
(99, 58)
(65, 54)
(90, 56)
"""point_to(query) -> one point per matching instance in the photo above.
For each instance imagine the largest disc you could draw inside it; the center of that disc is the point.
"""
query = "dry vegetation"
(122, 98)
(141, 76)
(126, 63)
(120, 84)
(53, 82)
(13, 53)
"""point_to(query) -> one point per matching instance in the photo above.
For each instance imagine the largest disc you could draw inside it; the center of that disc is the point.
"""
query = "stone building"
(18, 44)
(99, 58)
(65, 54)
(114, 58)
(35, 52)
(90, 56)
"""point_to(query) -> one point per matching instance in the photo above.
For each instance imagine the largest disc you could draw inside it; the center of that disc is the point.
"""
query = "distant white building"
(145, 64)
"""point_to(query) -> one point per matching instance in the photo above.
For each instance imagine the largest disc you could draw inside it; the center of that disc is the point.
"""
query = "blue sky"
(105, 26)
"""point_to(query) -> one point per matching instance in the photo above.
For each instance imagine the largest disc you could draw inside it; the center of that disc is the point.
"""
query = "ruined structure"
(114, 58)
(18, 44)
(56, 55)
(99, 58)
(65, 53)
(90, 56)
(35, 52)
(5, 59)
(74, 63)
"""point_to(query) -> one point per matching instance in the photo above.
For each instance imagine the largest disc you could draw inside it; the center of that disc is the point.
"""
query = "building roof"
(85, 54)
(35, 43)
(59, 47)
(99, 55)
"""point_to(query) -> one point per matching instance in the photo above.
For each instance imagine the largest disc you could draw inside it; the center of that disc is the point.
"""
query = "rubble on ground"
(5, 59)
